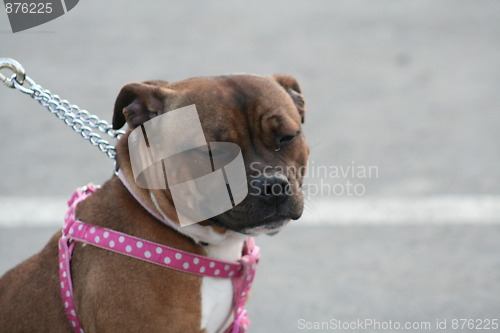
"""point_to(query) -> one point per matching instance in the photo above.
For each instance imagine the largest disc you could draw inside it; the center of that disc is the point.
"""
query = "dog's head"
(262, 115)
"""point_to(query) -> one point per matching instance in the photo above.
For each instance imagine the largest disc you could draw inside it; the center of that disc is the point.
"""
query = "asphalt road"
(410, 88)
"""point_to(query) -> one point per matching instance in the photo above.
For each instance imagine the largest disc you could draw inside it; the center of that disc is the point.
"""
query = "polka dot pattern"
(241, 273)
(152, 252)
(65, 251)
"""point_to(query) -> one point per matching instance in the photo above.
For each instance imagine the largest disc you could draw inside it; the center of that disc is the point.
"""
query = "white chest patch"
(217, 293)
(216, 304)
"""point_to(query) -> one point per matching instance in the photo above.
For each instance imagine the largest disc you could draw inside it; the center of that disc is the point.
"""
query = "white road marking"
(32, 211)
(403, 210)
(50, 211)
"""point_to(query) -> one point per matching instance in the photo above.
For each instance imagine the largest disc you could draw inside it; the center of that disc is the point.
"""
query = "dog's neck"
(223, 246)
(227, 246)
(218, 244)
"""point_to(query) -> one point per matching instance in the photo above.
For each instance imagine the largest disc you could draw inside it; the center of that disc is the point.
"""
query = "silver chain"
(79, 120)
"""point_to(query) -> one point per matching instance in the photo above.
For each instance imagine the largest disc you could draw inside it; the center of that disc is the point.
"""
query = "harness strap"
(242, 286)
(151, 252)
(65, 251)
(241, 273)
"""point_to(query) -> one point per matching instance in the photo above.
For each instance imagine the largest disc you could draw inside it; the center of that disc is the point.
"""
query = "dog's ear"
(137, 103)
(290, 84)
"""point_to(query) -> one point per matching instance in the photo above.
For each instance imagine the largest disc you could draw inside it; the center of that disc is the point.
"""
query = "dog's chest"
(217, 293)
(216, 304)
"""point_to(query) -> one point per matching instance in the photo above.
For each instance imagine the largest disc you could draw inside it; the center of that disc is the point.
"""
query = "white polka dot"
(73, 323)
(64, 274)
(196, 261)
(239, 310)
(185, 265)
(97, 239)
(202, 269)
(81, 330)
(106, 234)
(121, 239)
(159, 250)
(139, 244)
(60, 265)
(71, 230)
(212, 264)
(217, 272)
(147, 254)
(226, 268)
(64, 256)
(231, 273)
(249, 277)
(62, 284)
(80, 227)
(92, 230)
(178, 256)
(111, 244)
(245, 259)
(66, 304)
(128, 248)
(67, 293)
(166, 260)
(73, 313)
(243, 293)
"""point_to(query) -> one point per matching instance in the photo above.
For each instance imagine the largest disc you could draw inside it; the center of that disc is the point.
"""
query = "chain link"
(79, 120)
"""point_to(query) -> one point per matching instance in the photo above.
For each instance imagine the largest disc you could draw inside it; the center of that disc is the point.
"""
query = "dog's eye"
(286, 139)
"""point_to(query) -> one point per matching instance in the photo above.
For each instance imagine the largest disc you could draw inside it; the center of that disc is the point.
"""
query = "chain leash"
(79, 120)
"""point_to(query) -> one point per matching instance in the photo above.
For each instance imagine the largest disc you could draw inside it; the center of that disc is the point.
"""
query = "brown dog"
(115, 293)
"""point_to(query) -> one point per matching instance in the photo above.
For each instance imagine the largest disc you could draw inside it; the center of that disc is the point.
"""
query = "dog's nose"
(272, 188)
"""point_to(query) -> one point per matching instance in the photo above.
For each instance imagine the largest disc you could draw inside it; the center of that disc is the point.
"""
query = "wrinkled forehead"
(234, 102)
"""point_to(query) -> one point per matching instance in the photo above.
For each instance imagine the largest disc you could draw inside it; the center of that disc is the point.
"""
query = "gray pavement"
(408, 87)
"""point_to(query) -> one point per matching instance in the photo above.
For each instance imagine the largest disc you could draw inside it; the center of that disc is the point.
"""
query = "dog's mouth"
(269, 225)
(260, 214)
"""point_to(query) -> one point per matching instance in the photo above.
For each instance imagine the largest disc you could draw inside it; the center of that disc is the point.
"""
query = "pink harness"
(241, 272)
